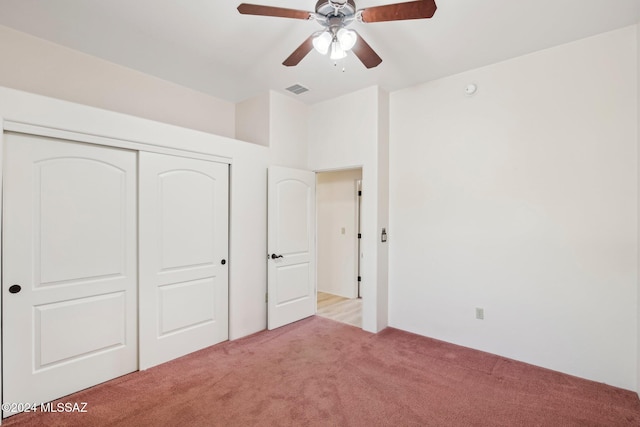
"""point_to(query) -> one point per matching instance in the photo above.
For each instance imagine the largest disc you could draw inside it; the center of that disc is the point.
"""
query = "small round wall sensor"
(471, 89)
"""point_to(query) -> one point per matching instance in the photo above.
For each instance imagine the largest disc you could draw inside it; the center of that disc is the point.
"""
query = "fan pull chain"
(344, 68)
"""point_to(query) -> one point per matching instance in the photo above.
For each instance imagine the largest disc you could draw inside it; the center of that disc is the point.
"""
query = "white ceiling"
(208, 46)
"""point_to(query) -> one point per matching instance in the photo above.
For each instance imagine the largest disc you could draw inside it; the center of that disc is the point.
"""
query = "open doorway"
(338, 201)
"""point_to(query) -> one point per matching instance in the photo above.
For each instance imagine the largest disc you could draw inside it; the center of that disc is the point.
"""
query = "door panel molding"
(53, 326)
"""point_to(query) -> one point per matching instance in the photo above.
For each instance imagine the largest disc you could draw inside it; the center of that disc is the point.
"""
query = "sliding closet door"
(69, 267)
(184, 207)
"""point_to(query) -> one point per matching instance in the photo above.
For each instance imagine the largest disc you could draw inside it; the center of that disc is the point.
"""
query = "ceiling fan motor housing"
(327, 7)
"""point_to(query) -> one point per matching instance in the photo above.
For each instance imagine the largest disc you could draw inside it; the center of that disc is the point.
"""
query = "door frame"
(359, 213)
(42, 130)
(359, 232)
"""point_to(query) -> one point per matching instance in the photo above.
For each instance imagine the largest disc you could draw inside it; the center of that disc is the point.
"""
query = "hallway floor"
(340, 309)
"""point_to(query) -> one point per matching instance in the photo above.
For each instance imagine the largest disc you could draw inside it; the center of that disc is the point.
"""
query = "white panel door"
(291, 246)
(184, 210)
(69, 267)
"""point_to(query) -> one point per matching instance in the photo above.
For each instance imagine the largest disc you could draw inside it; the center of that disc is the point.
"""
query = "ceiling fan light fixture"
(347, 38)
(337, 52)
(322, 42)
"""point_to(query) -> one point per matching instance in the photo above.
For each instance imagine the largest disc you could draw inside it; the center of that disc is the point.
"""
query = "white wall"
(288, 120)
(278, 122)
(252, 120)
(38, 66)
(353, 143)
(383, 210)
(337, 231)
(523, 200)
(247, 267)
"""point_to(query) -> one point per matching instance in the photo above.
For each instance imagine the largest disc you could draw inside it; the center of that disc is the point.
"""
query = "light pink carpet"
(318, 372)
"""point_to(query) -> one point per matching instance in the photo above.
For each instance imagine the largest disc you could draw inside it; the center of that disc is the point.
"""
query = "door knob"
(223, 262)
(274, 256)
(14, 289)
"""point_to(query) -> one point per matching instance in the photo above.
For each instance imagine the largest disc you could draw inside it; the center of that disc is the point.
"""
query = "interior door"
(69, 318)
(184, 208)
(291, 246)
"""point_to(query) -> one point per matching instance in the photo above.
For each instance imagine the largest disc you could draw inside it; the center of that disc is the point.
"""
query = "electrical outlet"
(479, 313)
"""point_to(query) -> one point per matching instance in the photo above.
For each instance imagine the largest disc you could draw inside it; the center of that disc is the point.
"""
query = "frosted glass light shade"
(337, 52)
(322, 42)
(347, 38)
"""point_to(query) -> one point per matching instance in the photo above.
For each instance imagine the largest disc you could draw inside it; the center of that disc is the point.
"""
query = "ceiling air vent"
(297, 89)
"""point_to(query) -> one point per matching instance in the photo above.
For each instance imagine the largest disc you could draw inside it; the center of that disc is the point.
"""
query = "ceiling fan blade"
(256, 9)
(299, 54)
(365, 53)
(400, 11)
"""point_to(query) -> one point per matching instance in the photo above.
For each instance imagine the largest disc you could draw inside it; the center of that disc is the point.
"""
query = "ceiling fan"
(335, 16)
